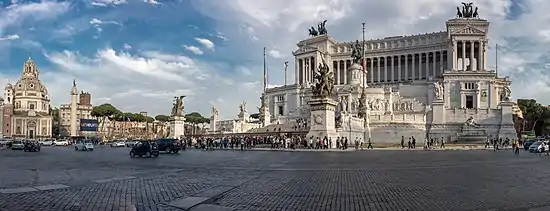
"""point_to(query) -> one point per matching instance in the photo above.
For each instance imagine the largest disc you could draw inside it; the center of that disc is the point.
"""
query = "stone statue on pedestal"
(438, 90)
(324, 81)
(356, 52)
(506, 93)
(177, 108)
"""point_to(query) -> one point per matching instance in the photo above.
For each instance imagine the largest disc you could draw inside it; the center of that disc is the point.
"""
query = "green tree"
(162, 118)
(56, 127)
(195, 118)
(149, 119)
(104, 111)
(536, 117)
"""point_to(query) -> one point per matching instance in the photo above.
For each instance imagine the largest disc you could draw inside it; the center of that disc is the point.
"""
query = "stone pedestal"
(507, 129)
(177, 127)
(435, 130)
(355, 74)
(322, 119)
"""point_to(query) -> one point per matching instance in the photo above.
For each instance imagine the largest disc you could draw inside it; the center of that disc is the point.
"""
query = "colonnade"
(469, 55)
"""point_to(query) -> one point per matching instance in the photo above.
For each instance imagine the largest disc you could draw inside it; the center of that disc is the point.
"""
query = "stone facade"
(243, 122)
(26, 106)
(401, 72)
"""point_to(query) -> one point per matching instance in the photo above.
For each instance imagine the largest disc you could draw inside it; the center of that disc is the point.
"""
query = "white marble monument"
(177, 120)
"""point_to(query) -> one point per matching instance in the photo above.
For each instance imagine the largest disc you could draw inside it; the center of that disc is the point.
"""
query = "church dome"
(30, 90)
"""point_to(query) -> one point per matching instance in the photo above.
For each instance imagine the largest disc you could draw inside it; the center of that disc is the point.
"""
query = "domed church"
(26, 106)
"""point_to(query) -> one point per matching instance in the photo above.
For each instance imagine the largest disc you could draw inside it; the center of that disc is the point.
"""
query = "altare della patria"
(432, 85)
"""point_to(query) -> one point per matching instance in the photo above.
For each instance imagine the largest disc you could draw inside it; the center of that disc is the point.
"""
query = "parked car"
(17, 145)
(169, 145)
(31, 146)
(61, 142)
(145, 148)
(46, 143)
(118, 144)
(84, 145)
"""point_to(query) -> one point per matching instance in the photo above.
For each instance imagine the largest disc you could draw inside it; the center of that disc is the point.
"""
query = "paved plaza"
(59, 178)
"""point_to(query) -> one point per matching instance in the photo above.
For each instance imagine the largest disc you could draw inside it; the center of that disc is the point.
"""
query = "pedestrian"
(516, 151)
(370, 145)
(409, 143)
(413, 142)
(402, 142)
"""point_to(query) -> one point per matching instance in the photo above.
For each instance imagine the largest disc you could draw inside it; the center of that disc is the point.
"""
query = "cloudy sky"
(138, 54)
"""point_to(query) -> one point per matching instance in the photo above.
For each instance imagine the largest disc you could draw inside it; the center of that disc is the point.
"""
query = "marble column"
(454, 59)
(479, 56)
(426, 75)
(393, 75)
(441, 67)
(484, 60)
(371, 70)
(472, 45)
(406, 67)
(74, 105)
(345, 71)
(463, 55)
(338, 69)
(478, 97)
(386, 69)
(296, 71)
(399, 68)
(379, 77)
(434, 64)
(413, 66)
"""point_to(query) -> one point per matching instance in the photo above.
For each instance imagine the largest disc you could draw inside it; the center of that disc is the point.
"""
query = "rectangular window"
(31, 106)
(280, 109)
(469, 101)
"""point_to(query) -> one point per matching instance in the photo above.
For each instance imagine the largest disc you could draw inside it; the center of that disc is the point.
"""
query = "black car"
(145, 148)
(31, 146)
(170, 145)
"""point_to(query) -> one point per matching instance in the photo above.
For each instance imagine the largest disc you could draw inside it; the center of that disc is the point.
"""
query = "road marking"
(18, 190)
(187, 202)
(51, 187)
(210, 207)
(115, 179)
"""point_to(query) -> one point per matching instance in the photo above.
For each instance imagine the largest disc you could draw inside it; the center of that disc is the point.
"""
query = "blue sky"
(138, 54)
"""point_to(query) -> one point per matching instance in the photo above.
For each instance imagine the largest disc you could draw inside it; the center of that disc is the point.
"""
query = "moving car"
(46, 142)
(84, 145)
(17, 145)
(145, 148)
(169, 145)
(118, 144)
(31, 146)
(61, 142)
(537, 147)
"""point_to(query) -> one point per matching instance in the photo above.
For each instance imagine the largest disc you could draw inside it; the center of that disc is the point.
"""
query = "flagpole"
(364, 65)
(265, 71)
(496, 58)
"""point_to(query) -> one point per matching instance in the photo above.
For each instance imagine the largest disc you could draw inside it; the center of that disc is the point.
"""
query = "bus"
(528, 134)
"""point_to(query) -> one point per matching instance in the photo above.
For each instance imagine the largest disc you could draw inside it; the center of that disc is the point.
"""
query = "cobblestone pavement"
(59, 178)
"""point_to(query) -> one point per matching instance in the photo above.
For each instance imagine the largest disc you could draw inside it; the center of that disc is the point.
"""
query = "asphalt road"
(59, 178)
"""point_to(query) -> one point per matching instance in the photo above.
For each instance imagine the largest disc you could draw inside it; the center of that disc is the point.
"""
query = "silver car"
(17, 145)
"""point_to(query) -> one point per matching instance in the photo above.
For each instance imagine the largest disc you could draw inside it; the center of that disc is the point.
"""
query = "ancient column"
(472, 45)
(454, 59)
(74, 106)
(413, 66)
(463, 55)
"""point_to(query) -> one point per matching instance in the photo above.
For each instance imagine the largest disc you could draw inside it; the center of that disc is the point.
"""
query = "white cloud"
(274, 53)
(96, 21)
(151, 1)
(104, 3)
(221, 36)
(145, 81)
(206, 43)
(194, 49)
(14, 14)
(127, 46)
(524, 39)
(9, 37)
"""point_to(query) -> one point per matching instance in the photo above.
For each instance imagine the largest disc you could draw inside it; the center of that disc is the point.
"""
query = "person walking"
(370, 145)
(516, 148)
(402, 142)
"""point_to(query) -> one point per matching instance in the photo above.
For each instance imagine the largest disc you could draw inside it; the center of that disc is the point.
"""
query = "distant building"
(83, 111)
(26, 106)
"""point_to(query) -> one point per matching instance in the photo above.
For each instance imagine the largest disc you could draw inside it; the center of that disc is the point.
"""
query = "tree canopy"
(536, 117)
(162, 118)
